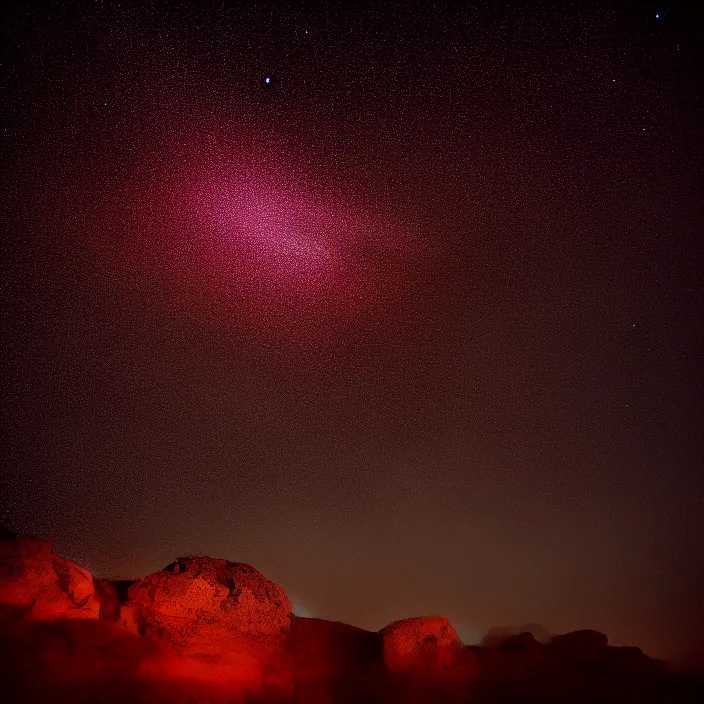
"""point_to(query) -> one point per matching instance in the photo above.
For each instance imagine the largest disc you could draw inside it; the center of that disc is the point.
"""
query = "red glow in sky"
(239, 242)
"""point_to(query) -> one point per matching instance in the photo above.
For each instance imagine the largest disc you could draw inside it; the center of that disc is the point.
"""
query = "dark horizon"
(412, 328)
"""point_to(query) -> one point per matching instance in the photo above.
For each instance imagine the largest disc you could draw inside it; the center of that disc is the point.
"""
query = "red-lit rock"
(214, 631)
(41, 585)
(428, 644)
(426, 662)
(206, 604)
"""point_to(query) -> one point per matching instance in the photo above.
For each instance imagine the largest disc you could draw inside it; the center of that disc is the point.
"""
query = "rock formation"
(42, 585)
(498, 634)
(211, 631)
(427, 644)
(201, 603)
(580, 641)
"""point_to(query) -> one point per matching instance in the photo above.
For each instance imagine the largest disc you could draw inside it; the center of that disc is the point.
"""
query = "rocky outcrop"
(204, 604)
(428, 644)
(585, 641)
(210, 630)
(524, 643)
(40, 585)
(426, 661)
(499, 634)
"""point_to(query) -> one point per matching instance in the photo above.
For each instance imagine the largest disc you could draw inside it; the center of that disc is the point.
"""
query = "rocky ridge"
(209, 630)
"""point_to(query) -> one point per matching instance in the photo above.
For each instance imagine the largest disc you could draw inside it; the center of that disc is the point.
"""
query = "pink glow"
(281, 235)
(233, 241)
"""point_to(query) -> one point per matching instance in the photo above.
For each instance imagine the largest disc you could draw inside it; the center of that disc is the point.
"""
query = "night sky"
(413, 326)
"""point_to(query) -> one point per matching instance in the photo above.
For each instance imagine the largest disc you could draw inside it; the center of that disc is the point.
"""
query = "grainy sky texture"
(412, 327)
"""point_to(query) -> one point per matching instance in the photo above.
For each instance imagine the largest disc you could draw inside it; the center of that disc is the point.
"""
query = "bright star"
(267, 80)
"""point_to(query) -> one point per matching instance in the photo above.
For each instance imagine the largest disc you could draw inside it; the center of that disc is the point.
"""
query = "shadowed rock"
(113, 595)
(585, 641)
(334, 661)
(496, 635)
(521, 643)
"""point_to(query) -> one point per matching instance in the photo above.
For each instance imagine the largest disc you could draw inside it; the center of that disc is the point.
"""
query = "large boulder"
(37, 584)
(204, 604)
(427, 644)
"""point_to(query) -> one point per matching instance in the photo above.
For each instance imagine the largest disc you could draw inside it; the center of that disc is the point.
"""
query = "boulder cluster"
(209, 630)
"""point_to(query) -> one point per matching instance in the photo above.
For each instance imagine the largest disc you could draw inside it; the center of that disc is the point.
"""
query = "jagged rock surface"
(215, 631)
(41, 585)
(204, 603)
(426, 643)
